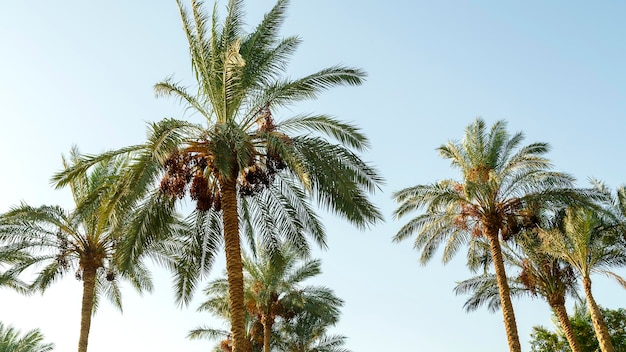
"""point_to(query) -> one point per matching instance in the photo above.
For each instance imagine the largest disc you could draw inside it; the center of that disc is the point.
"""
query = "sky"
(81, 73)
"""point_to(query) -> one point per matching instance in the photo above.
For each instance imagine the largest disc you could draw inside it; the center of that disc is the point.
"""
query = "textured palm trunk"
(602, 332)
(267, 332)
(510, 325)
(89, 286)
(234, 266)
(566, 325)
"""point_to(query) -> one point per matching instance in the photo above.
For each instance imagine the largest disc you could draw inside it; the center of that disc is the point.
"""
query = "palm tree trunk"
(234, 266)
(602, 332)
(267, 331)
(86, 310)
(566, 325)
(510, 325)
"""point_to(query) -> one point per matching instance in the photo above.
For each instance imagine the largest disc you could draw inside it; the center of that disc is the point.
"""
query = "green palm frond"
(345, 133)
(12, 340)
(151, 221)
(207, 333)
(340, 180)
(81, 166)
(193, 258)
(287, 92)
(170, 88)
(280, 214)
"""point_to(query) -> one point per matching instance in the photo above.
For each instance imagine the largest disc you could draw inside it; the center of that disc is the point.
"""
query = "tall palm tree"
(500, 178)
(83, 241)
(537, 274)
(587, 242)
(242, 163)
(11, 340)
(274, 291)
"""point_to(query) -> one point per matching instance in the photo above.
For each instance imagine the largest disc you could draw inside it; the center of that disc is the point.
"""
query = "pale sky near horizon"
(81, 72)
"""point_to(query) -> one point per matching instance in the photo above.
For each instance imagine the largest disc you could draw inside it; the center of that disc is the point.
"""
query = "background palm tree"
(587, 241)
(537, 274)
(11, 340)
(82, 241)
(241, 151)
(500, 180)
(274, 291)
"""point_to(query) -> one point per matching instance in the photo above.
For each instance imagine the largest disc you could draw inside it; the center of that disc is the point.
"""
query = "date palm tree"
(587, 241)
(11, 340)
(274, 291)
(82, 241)
(241, 162)
(537, 274)
(500, 178)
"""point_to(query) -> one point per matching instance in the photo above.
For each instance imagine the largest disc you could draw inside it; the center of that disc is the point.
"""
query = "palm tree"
(500, 179)
(274, 290)
(83, 241)
(539, 274)
(11, 340)
(587, 241)
(242, 163)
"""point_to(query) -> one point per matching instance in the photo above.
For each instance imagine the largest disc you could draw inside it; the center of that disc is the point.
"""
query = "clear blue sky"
(81, 72)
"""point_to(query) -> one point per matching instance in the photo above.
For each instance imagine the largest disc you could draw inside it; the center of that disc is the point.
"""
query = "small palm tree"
(274, 291)
(500, 180)
(11, 340)
(82, 241)
(587, 241)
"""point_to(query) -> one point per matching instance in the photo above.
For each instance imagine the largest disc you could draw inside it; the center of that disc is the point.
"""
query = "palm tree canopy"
(501, 180)
(240, 87)
(64, 241)
(587, 241)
